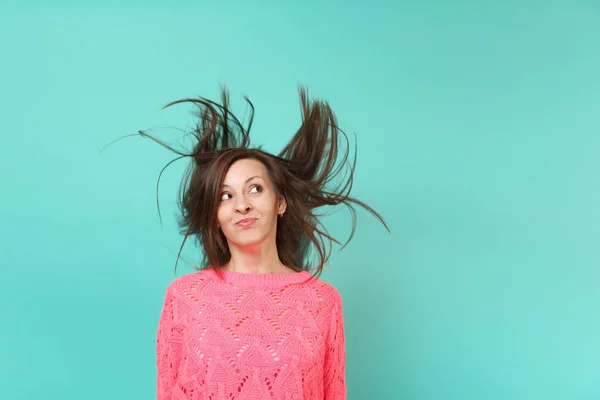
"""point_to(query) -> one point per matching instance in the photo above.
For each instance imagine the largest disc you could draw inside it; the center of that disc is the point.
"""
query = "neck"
(258, 259)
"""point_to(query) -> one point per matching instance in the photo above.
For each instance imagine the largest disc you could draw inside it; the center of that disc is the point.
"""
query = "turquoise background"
(478, 135)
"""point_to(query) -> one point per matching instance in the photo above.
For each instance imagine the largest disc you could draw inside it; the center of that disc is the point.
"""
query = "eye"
(256, 189)
(224, 196)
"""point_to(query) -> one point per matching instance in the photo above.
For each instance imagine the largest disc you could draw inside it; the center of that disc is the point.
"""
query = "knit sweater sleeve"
(168, 348)
(335, 356)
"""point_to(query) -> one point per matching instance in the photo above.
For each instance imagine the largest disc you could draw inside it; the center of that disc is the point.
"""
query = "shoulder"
(183, 284)
(330, 293)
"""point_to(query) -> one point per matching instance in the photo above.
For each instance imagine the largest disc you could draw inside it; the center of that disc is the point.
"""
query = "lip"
(246, 222)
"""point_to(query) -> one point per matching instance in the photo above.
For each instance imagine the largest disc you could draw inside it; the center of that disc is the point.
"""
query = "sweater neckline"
(262, 279)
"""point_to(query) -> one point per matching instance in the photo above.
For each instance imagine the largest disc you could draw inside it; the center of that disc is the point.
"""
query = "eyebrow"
(247, 180)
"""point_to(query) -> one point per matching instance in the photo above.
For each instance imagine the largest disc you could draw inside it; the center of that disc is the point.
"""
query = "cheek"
(222, 215)
(268, 208)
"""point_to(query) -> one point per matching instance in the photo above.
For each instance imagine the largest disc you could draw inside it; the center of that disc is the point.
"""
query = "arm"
(335, 356)
(168, 349)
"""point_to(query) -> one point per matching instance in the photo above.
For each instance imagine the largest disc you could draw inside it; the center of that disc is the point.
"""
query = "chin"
(249, 239)
(248, 242)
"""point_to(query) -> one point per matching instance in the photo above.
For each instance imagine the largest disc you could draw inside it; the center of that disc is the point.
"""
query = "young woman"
(253, 322)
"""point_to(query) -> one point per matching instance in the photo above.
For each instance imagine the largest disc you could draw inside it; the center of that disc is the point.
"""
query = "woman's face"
(249, 207)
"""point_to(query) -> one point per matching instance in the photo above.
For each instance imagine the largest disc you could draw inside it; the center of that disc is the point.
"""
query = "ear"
(282, 205)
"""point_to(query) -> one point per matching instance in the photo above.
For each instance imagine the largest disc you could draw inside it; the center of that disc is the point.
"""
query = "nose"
(243, 206)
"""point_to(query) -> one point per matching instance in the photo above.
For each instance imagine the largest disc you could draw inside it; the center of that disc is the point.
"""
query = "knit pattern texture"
(250, 337)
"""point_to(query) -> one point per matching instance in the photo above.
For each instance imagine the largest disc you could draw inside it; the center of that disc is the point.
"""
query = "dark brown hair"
(304, 173)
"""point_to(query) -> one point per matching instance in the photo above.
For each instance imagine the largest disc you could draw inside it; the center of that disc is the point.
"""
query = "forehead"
(241, 170)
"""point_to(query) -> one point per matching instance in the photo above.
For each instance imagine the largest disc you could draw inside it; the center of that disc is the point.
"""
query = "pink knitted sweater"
(250, 337)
